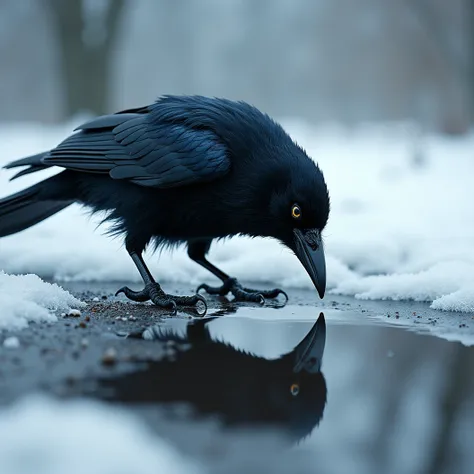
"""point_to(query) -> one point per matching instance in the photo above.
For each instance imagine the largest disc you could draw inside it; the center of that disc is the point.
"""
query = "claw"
(202, 286)
(241, 294)
(201, 299)
(284, 294)
(213, 290)
(174, 307)
(140, 296)
(153, 292)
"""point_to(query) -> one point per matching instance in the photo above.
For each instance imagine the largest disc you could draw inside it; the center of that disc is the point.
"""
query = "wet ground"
(366, 387)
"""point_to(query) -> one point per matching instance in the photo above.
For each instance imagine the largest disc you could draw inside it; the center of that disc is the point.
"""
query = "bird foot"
(153, 292)
(240, 293)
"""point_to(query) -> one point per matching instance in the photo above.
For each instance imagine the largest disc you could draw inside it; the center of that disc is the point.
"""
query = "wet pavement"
(281, 388)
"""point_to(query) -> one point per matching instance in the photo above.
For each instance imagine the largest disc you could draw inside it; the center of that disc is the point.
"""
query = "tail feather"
(26, 208)
(34, 162)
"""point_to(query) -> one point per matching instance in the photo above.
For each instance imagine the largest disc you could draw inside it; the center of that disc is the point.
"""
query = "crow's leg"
(197, 250)
(153, 291)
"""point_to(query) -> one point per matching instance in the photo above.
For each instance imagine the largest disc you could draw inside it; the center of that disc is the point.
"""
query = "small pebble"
(63, 315)
(75, 313)
(84, 342)
(11, 342)
(104, 297)
(87, 318)
(124, 319)
(95, 299)
(109, 357)
(82, 325)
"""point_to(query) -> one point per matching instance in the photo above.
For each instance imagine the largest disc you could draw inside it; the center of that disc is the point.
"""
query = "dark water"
(288, 392)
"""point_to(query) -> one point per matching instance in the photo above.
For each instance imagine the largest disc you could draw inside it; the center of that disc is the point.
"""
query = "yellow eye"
(295, 389)
(296, 211)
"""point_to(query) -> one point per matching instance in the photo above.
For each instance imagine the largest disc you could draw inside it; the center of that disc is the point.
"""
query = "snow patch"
(26, 298)
(461, 300)
(426, 285)
(42, 435)
(11, 343)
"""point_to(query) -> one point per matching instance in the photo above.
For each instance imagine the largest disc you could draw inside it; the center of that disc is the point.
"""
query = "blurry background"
(338, 60)
(342, 61)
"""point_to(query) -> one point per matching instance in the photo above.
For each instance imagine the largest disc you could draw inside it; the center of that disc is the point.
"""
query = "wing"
(130, 146)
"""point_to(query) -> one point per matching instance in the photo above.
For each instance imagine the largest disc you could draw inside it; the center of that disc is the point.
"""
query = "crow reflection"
(288, 393)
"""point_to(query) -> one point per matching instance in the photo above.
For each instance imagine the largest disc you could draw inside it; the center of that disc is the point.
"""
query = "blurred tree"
(447, 32)
(86, 32)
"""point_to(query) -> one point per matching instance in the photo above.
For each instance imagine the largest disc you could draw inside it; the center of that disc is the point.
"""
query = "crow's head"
(298, 211)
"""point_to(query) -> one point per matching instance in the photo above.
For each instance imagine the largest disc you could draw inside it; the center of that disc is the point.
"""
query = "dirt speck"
(109, 357)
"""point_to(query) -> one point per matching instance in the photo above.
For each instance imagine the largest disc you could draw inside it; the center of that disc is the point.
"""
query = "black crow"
(288, 393)
(186, 169)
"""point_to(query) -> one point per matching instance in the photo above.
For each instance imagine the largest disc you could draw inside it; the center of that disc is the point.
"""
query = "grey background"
(349, 61)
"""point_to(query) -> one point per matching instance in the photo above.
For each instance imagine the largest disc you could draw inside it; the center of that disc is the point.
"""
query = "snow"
(45, 436)
(27, 298)
(400, 228)
(11, 343)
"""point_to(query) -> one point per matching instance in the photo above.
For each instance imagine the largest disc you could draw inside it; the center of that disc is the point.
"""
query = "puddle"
(349, 397)
(382, 394)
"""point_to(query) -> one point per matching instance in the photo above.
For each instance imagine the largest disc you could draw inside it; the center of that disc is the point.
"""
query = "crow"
(288, 393)
(184, 170)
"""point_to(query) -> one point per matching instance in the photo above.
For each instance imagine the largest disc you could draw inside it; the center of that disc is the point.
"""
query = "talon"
(281, 292)
(202, 300)
(240, 293)
(174, 307)
(121, 290)
(153, 292)
(214, 290)
(269, 293)
(139, 296)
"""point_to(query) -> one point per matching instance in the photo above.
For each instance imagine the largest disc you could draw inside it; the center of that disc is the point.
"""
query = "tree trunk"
(85, 65)
(470, 16)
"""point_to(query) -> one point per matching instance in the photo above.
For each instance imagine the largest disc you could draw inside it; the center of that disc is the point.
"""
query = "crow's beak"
(309, 352)
(309, 249)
